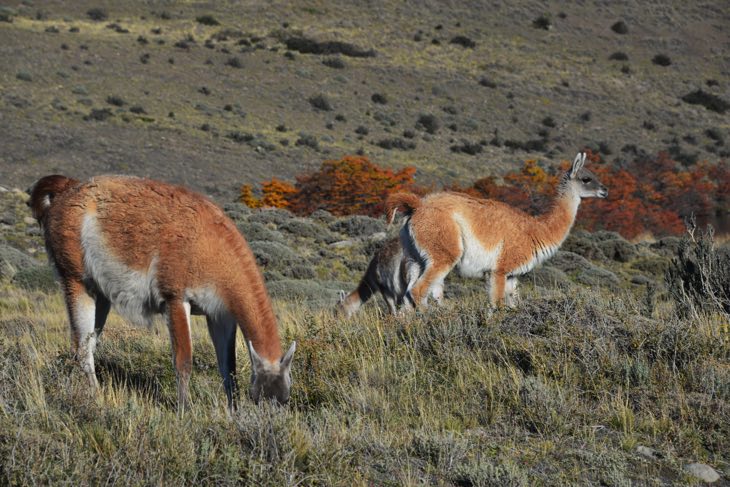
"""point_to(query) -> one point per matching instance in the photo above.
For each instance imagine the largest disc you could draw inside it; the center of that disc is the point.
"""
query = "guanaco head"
(347, 304)
(585, 182)
(270, 380)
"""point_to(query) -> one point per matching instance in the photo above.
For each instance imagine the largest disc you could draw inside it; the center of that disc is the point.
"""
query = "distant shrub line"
(651, 194)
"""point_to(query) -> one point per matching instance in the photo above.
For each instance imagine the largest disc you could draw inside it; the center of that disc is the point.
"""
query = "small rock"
(8, 219)
(647, 452)
(640, 280)
(703, 472)
(29, 220)
(342, 244)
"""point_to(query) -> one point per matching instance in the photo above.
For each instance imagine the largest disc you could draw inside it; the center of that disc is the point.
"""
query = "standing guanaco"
(447, 230)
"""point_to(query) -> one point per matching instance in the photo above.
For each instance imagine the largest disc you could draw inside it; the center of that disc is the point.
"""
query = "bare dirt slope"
(457, 89)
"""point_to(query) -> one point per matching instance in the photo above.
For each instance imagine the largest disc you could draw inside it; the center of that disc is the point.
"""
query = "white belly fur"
(134, 294)
(475, 260)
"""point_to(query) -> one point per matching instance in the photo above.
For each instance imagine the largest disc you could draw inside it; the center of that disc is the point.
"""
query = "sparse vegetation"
(396, 143)
(463, 41)
(117, 101)
(620, 27)
(699, 274)
(305, 45)
(707, 100)
(308, 140)
(234, 62)
(207, 20)
(99, 114)
(97, 14)
(379, 98)
(543, 22)
(321, 102)
(471, 148)
(334, 63)
(487, 82)
(661, 60)
(428, 122)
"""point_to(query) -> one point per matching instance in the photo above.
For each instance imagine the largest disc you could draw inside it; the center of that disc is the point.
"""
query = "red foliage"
(351, 185)
(646, 195)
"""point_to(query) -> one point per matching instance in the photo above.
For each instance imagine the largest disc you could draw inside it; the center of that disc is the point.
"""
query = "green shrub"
(547, 276)
(301, 227)
(38, 278)
(254, 231)
(597, 276)
(699, 275)
(358, 226)
(207, 20)
(580, 243)
(656, 266)
(13, 261)
(568, 262)
(617, 249)
(274, 254)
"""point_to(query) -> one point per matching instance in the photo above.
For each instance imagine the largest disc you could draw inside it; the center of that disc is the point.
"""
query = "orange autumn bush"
(351, 185)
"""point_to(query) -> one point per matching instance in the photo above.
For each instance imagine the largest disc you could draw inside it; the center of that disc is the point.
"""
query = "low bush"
(699, 275)
(358, 226)
(97, 14)
(708, 100)
(310, 46)
(207, 20)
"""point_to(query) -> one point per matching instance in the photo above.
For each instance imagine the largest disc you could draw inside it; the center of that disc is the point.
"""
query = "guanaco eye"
(586, 180)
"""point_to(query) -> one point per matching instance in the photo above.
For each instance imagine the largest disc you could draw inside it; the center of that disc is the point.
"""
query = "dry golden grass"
(559, 391)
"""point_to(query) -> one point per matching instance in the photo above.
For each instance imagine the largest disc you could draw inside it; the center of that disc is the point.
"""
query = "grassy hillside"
(599, 377)
(215, 94)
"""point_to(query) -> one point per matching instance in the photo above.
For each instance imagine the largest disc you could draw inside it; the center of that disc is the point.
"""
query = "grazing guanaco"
(386, 274)
(149, 248)
(446, 230)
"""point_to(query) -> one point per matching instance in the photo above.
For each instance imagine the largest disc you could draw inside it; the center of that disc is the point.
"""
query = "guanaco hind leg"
(511, 296)
(86, 320)
(222, 330)
(178, 321)
(430, 283)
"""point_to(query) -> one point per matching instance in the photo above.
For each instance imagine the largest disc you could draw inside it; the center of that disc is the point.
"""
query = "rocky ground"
(215, 95)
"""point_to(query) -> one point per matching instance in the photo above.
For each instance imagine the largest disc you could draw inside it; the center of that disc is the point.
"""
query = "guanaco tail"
(446, 230)
(149, 248)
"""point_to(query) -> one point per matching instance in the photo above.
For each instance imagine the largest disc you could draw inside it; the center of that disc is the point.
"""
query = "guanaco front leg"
(497, 283)
(178, 321)
(222, 329)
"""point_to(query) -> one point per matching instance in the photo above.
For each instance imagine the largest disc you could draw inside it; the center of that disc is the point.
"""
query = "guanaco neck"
(553, 227)
(366, 288)
(250, 304)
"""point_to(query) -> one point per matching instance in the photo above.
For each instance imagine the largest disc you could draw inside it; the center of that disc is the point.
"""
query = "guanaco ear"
(578, 163)
(342, 296)
(286, 359)
(257, 364)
